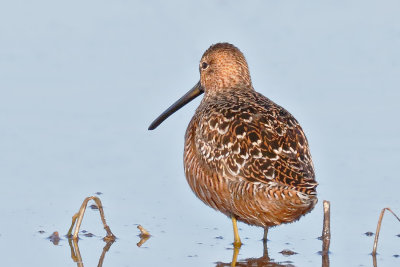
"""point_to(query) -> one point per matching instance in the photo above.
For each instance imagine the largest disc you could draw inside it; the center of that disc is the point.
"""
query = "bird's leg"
(236, 243)
(265, 235)
(265, 240)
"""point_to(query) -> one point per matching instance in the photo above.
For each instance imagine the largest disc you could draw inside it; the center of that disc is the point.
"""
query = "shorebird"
(244, 155)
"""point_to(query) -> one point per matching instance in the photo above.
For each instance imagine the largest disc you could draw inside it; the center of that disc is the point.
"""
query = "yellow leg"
(236, 242)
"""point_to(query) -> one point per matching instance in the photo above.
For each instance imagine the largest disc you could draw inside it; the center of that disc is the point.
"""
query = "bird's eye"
(204, 65)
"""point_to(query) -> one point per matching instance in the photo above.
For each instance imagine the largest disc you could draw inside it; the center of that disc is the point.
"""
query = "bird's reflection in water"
(253, 262)
(264, 261)
(256, 262)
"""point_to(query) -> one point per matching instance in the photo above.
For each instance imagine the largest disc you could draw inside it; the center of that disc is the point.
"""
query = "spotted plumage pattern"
(245, 155)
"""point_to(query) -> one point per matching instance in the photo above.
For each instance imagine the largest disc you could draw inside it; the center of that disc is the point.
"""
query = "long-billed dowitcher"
(244, 155)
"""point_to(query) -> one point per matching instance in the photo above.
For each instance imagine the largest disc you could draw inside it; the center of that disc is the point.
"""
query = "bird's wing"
(262, 143)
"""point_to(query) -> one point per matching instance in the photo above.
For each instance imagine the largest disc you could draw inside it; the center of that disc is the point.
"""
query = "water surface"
(81, 81)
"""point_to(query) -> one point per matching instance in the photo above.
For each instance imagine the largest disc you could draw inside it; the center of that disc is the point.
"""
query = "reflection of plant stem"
(103, 254)
(143, 240)
(378, 229)
(78, 217)
(76, 255)
(374, 262)
(325, 260)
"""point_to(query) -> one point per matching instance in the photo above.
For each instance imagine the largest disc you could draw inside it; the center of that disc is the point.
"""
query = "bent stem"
(78, 217)
(378, 229)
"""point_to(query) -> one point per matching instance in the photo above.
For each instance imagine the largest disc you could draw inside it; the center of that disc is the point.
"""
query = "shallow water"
(81, 81)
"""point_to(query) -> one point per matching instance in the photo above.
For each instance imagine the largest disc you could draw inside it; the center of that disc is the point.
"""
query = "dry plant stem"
(378, 228)
(144, 236)
(326, 231)
(143, 232)
(78, 217)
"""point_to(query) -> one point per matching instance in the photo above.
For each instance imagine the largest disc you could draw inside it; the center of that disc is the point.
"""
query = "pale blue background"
(80, 81)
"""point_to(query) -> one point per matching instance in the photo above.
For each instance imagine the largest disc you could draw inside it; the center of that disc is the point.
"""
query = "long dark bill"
(189, 96)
